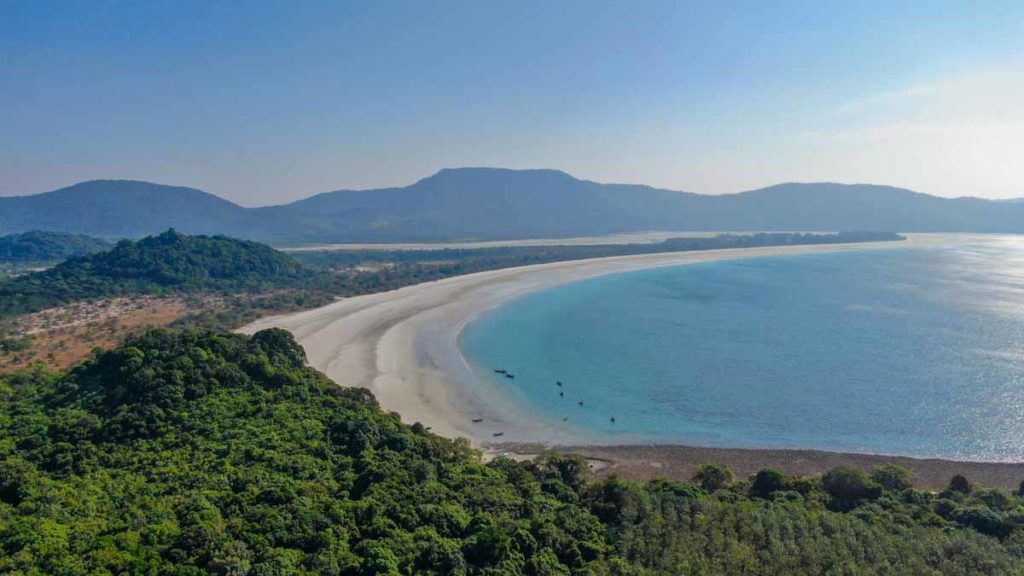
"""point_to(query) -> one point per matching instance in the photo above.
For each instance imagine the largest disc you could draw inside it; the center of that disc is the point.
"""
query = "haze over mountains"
(491, 203)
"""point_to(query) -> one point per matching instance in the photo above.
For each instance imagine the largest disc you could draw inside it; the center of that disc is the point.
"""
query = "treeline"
(477, 259)
(196, 452)
(366, 271)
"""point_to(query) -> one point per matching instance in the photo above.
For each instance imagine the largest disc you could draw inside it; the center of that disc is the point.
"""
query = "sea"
(904, 351)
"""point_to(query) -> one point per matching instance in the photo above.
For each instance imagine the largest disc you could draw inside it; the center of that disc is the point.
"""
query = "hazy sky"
(269, 102)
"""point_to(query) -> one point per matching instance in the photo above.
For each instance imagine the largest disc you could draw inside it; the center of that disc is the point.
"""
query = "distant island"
(497, 204)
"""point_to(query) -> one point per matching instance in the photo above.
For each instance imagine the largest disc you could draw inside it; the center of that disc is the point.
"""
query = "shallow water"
(916, 351)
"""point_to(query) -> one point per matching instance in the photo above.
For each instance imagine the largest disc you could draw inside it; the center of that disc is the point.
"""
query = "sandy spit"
(624, 238)
(403, 344)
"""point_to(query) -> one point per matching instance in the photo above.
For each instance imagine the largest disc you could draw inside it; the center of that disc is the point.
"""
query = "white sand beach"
(624, 238)
(403, 344)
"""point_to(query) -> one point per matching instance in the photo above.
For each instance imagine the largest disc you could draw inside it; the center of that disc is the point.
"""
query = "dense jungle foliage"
(168, 263)
(47, 247)
(196, 452)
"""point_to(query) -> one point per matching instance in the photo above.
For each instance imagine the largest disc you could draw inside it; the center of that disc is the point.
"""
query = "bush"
(10, 345)
(983, 520)
(848, 487)
(712, 477)
(766, 482)
(959, 484)
(891, 477)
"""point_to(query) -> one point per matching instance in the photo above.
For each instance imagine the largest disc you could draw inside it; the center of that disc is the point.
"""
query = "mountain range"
(493, 203)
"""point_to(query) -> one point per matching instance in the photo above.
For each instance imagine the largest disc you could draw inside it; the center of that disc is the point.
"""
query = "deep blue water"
(911, 351)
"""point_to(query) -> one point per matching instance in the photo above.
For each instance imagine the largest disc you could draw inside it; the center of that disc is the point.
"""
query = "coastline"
(680, 462)
(403, 346)
(652, 237)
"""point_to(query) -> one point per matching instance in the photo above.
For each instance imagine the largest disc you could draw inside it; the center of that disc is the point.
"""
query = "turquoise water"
(914, 352)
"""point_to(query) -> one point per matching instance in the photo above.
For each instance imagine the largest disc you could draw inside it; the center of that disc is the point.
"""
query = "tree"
(848, 487)
(983, 520)
(712, 477)
(766, 482)
(892, 477)
(199, 452)
(960, 484)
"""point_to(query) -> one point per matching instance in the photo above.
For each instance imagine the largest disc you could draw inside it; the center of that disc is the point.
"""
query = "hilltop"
(492, 203)
(165, 264)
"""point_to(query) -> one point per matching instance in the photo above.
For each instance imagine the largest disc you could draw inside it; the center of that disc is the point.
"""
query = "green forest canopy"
(168, 263)
(38, 247)
(197, 452)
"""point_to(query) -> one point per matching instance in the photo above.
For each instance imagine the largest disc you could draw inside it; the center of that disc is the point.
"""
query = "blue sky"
(269, 102)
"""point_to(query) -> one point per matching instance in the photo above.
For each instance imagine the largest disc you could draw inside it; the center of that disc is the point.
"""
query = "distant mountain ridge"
(495, 203)
(120, 208)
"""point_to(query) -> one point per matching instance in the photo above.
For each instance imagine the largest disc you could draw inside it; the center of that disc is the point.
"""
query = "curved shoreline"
(402, 345)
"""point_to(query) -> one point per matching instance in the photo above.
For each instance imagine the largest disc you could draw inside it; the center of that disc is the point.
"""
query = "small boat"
(558, 382)
(477, 420)
(565, 419)
(613, 419)
(580, 401)
(500, 371)
(509, 375)
(562, 394)
(496, 434)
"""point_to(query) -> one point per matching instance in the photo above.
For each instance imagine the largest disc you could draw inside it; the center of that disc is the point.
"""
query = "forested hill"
(193, 453)
(168, 263)
(47, 247)
(493, 203)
